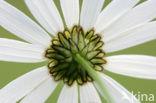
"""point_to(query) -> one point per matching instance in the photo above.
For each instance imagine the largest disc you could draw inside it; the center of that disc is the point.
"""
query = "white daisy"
(77, 48)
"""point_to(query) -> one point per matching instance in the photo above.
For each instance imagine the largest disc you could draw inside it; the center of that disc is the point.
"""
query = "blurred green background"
(9, 71)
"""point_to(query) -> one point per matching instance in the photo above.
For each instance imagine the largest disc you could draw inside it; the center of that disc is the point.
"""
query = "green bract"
(65, 46)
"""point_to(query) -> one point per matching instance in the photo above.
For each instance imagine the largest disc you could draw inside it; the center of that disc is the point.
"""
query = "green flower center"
(62, 65)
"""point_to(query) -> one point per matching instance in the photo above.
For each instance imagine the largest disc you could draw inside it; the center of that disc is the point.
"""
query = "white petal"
(16, 51)
(139, 66)
(131, 37)
(47, 14)
(135, 17)
(89, 13)
(41, 93)
(69, 94)
(88, 94)
(22, 26)
(70, 10)
(113, 12)
(117, 92)
(21, 86)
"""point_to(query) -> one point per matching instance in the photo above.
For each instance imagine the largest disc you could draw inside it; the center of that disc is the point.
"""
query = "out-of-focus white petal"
(69, 94)
(40, 93)
(132, 19)
(89, 13)
(17, 51)
(132, 37)
(70, 10)
(117, 92)
(23, 85)
(113, 12)
(88, 94)
(22, 26)
(138, 66)
(47, 14)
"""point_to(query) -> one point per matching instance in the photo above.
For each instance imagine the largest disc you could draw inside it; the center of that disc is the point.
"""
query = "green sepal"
(89, 78)
(88, 35)
(101, 55)
(69, 59)
(67, 34)
(93, 37)
(79, 80)
(63, 40)
(50, 51)
(81, 42)
(59, 67)
(56, 42)
(92, 54)
(98, 61)
(72, 78)
(74, 34)
(71, 69)
(70, 81)
(74, 48)
(98, 45)
(98, 68)
(83, 74)
(60, 75)
(62, 51)
(65, 79)
(92, 44)
(52, 64)
(84, 51)
(55, 56)
(54, 73)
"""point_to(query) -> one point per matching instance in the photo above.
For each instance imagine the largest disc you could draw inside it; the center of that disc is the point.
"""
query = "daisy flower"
(77, 49)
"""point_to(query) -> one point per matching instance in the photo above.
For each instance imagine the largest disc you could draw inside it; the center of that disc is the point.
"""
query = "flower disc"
(61, 53)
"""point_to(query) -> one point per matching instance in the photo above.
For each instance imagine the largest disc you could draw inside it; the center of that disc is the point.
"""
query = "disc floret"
(65, 46)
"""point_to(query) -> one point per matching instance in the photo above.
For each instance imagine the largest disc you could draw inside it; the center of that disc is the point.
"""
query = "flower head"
(63, 50)
(77, 50)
